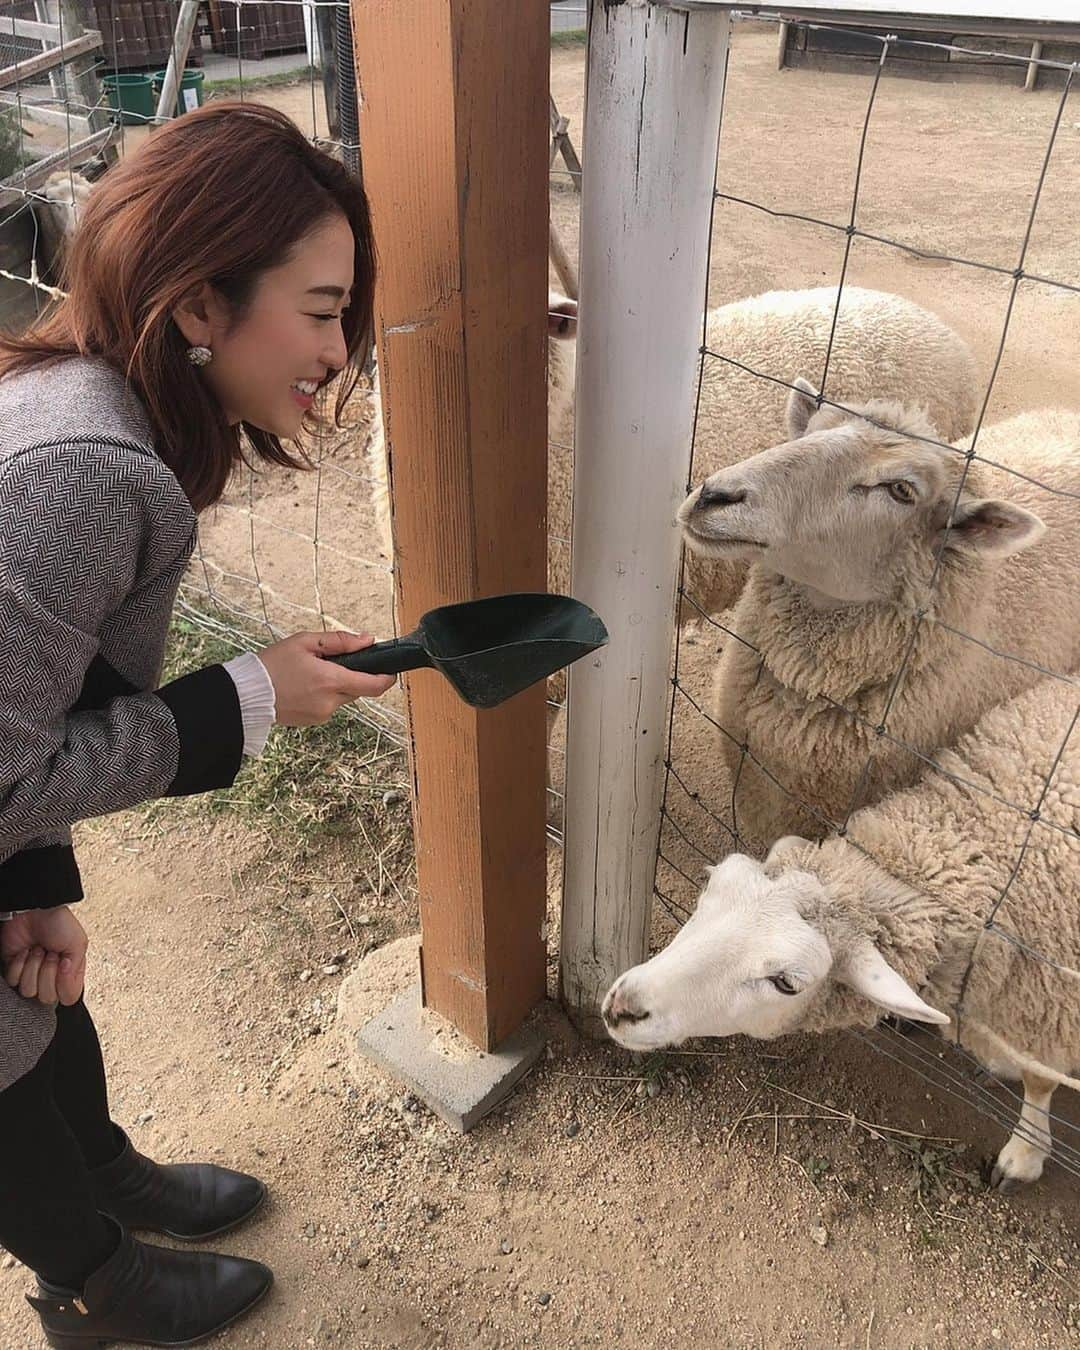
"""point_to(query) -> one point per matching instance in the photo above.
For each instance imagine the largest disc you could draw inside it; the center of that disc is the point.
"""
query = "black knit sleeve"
(210, 730)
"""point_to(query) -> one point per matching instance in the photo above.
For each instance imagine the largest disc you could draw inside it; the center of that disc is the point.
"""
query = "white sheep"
(917, 912)
(67, 193)
(844, 523)
(58, 208)
(884, 346)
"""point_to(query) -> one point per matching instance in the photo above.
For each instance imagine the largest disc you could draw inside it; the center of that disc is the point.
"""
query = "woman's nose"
(335, 353)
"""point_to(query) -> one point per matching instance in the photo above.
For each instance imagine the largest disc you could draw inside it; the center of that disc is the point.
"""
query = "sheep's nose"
(619, 1006)
(712, 495)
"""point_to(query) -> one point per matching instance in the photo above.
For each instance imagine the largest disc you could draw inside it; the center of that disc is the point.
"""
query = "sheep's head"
(67, 194)
(750, 961)
(562, 317)
(851, 506)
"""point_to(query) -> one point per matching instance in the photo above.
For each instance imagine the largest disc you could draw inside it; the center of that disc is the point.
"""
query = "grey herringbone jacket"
(95, 533)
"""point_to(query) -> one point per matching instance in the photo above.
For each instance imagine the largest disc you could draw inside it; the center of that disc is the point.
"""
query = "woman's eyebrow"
(334, 292)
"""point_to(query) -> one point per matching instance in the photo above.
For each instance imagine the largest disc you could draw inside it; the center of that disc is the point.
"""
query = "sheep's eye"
(782, 984)
(901, 491)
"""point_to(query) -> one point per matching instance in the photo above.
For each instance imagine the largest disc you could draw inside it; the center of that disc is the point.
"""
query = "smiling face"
(269, 362)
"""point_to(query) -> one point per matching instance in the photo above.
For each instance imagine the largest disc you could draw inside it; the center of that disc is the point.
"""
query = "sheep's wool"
(922, 873)
(807, 690)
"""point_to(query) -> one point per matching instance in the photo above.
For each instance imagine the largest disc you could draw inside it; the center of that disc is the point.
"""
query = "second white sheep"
(955, 903)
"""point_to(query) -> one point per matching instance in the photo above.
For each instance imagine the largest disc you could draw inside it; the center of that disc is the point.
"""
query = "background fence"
(844, 201)
(281, 551)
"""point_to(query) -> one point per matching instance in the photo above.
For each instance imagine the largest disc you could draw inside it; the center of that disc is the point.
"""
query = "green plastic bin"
(189, 92)
(131, 97)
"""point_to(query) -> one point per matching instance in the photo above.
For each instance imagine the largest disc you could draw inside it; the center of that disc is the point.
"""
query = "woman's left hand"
(43, 954)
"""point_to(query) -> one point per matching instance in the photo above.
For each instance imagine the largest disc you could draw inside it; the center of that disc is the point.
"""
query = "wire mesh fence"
(719, 768)
(281, 551)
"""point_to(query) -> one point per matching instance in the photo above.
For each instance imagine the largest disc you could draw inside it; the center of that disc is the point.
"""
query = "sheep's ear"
(868, 973)
(562, 318)
(993, 529)
(802, 404)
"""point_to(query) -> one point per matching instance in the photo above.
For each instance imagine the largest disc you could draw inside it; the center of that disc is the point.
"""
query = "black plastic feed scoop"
(490, 649)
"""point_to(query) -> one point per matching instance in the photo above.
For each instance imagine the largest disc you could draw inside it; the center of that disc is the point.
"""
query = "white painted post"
(655, 87)
(174, 71)
(311, 37)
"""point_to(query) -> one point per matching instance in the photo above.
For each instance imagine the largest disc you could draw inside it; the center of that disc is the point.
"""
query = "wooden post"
(174, 71)
(83, 74)
(1032, 76)
(455, 165)
(324, 23)
(561, 144)
(48, 13)
(655, 87)
(347, 91)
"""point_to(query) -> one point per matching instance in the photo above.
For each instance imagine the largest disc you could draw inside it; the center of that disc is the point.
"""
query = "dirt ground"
(702, 1201)
(585, 1211)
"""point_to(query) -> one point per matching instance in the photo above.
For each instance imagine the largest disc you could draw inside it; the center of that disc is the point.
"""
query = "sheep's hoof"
(1002, 1183)
(1018, 1164)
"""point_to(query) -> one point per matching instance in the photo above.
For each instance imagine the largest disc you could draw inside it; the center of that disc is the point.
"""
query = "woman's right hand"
(308, 689)
(43, 954)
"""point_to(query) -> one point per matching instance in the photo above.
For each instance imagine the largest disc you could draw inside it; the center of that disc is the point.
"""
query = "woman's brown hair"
(219, 195)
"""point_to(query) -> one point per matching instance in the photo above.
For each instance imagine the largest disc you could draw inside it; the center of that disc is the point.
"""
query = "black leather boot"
(150, 1296)
(189, 1201)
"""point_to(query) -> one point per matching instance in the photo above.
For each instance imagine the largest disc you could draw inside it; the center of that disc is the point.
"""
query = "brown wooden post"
(452, 96)
(561, 144)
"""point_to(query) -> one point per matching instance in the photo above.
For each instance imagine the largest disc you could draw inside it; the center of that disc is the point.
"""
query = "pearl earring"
(200, 356)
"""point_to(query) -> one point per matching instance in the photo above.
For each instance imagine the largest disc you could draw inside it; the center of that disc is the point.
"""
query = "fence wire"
(278, 552)
(701, 821)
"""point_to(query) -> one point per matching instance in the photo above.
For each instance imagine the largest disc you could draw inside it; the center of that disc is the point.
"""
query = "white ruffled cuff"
(255, 690)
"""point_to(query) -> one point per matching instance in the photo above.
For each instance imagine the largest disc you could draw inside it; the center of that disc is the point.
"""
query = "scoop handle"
(386, 658)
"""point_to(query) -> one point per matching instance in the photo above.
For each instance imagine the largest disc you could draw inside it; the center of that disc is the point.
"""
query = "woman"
(221, 276)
